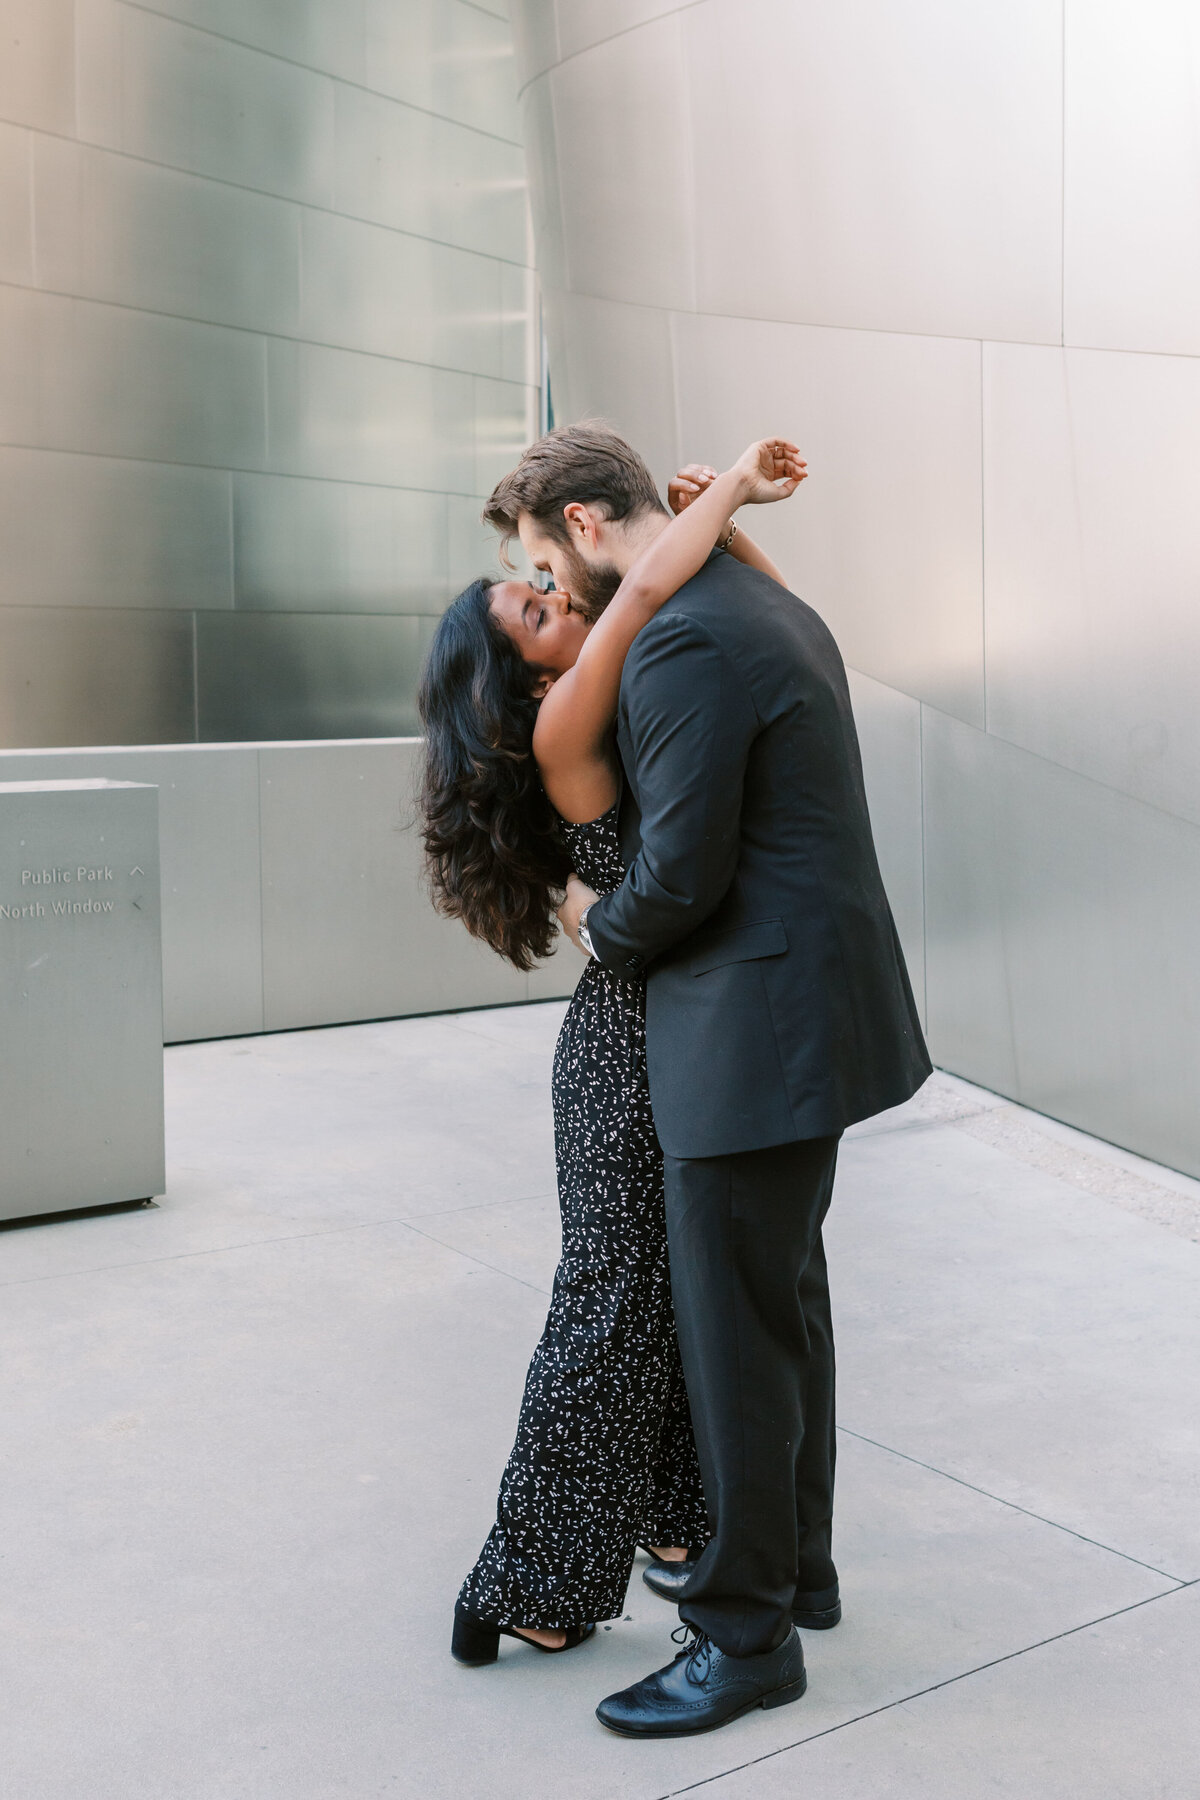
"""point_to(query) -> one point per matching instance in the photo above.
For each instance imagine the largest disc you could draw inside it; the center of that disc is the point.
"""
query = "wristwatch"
(585, 936)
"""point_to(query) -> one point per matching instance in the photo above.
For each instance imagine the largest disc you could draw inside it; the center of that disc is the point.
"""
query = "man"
(778, 1012)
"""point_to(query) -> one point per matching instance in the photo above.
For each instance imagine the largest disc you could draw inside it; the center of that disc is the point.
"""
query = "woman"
(522, 783)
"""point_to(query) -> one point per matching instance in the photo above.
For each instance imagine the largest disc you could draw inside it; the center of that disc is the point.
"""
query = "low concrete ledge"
(291, 886)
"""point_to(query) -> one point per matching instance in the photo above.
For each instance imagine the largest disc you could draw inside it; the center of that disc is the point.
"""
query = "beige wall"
(955, 251)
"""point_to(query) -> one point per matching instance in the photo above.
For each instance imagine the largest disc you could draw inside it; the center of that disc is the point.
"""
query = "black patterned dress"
(604, 1457)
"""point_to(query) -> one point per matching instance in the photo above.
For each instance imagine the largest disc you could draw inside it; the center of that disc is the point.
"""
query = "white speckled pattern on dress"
(604, 1457)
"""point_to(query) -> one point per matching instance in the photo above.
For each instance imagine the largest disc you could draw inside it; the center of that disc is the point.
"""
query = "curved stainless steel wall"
(954, 250)
(266, 335)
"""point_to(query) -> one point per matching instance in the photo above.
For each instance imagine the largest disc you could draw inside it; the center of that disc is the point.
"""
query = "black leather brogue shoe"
(704, 1688)
(819, 1611)
(668, 1579)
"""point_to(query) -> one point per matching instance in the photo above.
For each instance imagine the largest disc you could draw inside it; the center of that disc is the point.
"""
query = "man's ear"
(580, 523)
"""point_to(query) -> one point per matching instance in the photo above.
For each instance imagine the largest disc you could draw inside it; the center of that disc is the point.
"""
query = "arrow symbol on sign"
(137, 871)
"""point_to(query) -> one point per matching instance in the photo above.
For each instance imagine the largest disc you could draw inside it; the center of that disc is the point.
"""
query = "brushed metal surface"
(582, 24)
(79, 375)
(348, 932)
(625, 162)
(545, 188)
(410, 170)
(100, 531)
(330, 546)
(210, 878)
(614, 361)
(112, 228)
(535, 38)
(72, 675)
(37, 69)
(1062, 961)
(505, 417)
(1092, 558)
(81, 1105)
(447, 58)
(327, 37)
(1132, 134)
(473, 547)
(915, 182)
(367, 287)
(16, 211)
(884, 539)
(307, 675)
(170, 94)
(351, 417)
(889, 735)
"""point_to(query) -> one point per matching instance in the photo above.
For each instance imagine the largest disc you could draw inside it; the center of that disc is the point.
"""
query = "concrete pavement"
(253, 1437)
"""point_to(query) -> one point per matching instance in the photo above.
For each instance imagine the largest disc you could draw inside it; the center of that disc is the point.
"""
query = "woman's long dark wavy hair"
(493, 852)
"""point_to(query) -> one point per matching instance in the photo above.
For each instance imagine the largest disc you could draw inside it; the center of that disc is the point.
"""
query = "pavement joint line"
(1182, 1580)
(478, 1260)
(293, 1237)
(453, 1212)
(934, 1687)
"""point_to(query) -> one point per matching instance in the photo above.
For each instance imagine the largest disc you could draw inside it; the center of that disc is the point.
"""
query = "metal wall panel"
(1062, 965)
(418, 173)
(97, 531)
(877, 209)
(582, 24)
(77, 375)
(447, 58)
(1093, 549)
(162, 91)
(328, 37)
(349, 417)
(81, 1106)
(535, 39)
(16, 213)
(369, 288)
(348, 932)
(332, 546)
(1132, 230)
(545, 188)
(620, 112)
(66, 674)
(614, 361)
(211, 889)
(37, 70)
(112, 228)
(505, 420)
(889, 735)
(473, 548)
(307, 675)
(884, 539)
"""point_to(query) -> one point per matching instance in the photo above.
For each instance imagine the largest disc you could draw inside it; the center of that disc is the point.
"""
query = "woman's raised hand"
(772, 469)
(688, 485)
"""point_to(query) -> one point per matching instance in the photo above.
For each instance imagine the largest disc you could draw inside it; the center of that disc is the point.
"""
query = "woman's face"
(545, 627)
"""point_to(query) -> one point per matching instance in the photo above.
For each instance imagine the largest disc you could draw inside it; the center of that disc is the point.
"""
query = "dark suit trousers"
(751, 1298)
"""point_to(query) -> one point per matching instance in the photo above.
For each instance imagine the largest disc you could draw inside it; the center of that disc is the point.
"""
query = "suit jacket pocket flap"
(745, 943)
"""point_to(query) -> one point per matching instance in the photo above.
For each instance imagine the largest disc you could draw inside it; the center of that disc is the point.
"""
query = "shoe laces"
(697, 1647)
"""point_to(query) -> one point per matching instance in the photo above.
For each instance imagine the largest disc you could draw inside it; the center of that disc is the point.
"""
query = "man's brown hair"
(587, 463)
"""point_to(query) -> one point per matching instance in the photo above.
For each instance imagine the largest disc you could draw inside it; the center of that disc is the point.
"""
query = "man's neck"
(627, 541)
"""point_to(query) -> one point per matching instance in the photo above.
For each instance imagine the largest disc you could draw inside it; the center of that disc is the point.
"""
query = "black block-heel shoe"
(476, 1641)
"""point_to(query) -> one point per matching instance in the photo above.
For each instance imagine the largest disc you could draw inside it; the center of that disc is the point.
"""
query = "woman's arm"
(570, 741)
(687, 486)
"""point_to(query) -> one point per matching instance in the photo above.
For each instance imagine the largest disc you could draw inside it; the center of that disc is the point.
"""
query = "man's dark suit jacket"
(778, 1004)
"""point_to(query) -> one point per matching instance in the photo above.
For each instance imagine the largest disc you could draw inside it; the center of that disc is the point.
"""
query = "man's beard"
(592, 585)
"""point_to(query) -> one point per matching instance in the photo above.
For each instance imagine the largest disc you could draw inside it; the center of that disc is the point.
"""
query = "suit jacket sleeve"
(691, 722)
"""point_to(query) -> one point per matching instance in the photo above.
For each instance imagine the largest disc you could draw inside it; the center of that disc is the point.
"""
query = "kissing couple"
(665, 737)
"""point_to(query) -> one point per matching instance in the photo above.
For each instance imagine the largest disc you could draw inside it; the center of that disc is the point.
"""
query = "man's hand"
(579, 898)
(772, 469)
